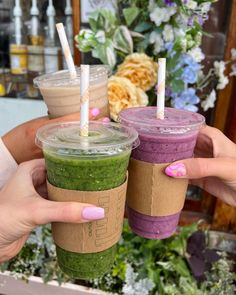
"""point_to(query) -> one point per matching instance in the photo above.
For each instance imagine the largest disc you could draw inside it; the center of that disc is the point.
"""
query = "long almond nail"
(176, 170)
(93, 213)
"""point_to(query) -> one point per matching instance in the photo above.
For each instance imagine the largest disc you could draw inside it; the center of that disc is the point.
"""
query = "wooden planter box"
(9, 285)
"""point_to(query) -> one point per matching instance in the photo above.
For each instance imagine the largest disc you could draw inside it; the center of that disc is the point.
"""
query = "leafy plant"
(155, 267)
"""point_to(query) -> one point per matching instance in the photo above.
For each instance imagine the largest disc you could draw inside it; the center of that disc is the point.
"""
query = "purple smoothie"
(161, 141)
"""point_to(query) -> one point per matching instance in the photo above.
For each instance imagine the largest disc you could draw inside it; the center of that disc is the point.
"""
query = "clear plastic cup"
(161, 141)
(62, 94)
(94, 163)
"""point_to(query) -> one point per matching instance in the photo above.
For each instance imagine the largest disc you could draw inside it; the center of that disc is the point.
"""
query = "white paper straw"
(161, 84)
(84, 99)
(66, 50)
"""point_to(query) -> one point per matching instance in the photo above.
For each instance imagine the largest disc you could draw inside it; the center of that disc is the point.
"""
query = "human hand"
(20, 141)
(214, 166)
(22, 208)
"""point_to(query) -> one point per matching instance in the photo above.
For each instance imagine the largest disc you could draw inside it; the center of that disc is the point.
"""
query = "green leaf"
(122, 40)
(106, 53)
(143, 27)
(102, 19)
(130, 14)
(177, 85)
(181, 267)
(172, 62)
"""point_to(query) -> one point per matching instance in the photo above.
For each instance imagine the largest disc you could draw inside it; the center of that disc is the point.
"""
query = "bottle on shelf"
(18, 51)
(35, 50)
(52, 58)
(69, 29)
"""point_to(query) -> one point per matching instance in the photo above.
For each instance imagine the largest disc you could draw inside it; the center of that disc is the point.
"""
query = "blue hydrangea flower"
(186, 100)
(169, 46)
(191, 69)
(189, 75)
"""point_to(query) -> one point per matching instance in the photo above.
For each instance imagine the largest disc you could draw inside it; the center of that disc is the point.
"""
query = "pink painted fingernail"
(93, 213)
(106, 120)
(95, 112)
(176, 170)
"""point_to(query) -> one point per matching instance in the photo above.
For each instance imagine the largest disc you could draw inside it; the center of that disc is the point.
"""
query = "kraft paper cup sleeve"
(93, 236)
(151, 192)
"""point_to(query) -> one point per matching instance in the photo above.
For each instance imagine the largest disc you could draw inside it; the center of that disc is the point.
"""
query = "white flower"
(157, 16)
(219, 72)
(223, 81)
(233, 53)
(168, 33)
(179, 32)
(205, 7)
(100, 36)
(197, 54)
(161, 15)
(156, 39)
(191, 4)
(209, 102)
(182, 21)
(219, 68)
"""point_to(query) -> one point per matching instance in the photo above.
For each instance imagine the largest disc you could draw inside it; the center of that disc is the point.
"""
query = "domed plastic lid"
(62, 78)
(103, 139)
(176, 121)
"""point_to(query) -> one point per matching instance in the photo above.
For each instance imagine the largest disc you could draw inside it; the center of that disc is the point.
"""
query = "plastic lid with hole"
(98, 73)
(104, 139)
(176, 121)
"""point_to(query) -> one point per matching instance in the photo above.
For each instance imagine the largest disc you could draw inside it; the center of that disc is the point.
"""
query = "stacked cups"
(154, 200)
(61, 93)
(92, 170)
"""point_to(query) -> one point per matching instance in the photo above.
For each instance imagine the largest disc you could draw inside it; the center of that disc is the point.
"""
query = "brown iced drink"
(62, 94)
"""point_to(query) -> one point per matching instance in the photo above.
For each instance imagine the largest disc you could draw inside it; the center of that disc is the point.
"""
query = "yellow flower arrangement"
(122, 94)
(140, 69)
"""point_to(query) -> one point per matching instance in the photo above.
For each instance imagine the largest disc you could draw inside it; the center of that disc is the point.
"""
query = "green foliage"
(130, 14)
(161, 262)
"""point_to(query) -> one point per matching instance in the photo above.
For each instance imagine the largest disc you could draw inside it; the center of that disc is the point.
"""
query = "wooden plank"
(225, 216)
(76, 28)
(231, 125)
(9, 285)
(224, 97)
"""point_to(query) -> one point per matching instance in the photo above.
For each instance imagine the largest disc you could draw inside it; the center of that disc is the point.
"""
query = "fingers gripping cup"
(92, 170)
(154, 200)
(61, 93)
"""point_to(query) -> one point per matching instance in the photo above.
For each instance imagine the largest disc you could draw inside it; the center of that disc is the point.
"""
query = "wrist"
(10, 145)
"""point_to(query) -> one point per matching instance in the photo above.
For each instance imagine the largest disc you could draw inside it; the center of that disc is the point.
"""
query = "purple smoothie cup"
(161, 141)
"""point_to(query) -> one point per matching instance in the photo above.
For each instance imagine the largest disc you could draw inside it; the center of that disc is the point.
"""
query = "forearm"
(8, 165)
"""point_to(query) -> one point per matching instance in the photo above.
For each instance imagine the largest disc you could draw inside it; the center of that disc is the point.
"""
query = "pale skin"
(23, 208)
(23, 203)
(214, 166)
(20, 141)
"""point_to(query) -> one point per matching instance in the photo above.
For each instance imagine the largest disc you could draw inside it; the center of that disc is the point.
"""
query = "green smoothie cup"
(95, 163)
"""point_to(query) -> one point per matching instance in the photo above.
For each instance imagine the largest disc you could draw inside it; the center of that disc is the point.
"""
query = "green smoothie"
(93, 174)
(96, 174)
(97, 163)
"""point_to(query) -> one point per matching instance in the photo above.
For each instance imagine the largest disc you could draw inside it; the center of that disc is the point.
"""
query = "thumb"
(69, 212)
(196, 168)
